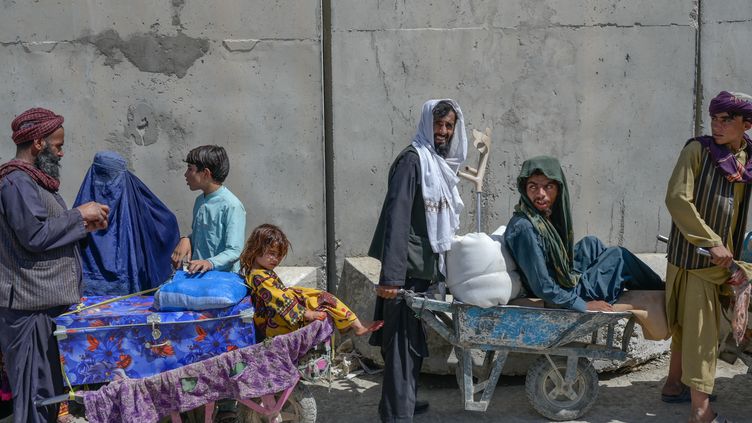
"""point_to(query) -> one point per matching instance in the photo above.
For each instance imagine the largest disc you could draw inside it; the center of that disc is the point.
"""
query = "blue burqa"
(133, 253)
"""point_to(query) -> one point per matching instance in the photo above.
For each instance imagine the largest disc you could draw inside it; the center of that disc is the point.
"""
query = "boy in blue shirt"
(218, 228)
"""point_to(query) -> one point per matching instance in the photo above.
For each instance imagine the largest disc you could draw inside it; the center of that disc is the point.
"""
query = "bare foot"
(359, 329)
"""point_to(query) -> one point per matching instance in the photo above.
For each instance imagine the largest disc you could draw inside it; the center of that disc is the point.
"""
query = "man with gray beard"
(40, 263)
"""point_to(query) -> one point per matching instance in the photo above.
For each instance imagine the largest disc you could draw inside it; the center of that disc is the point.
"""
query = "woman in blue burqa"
(133, 253)
(588, 276)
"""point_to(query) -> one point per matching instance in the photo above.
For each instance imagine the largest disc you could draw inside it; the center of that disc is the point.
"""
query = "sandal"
(719, 418)
(684, 396)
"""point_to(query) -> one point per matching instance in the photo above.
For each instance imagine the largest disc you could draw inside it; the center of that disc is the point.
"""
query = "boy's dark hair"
(442, 109)
(262, 238)
(212, 157)
(744, 118)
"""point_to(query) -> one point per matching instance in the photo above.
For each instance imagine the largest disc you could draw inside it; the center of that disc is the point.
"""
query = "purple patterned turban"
(733, 104)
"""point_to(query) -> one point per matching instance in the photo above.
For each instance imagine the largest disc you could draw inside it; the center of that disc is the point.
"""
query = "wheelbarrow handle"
(701, 251)
(55, 400)
(733, 267)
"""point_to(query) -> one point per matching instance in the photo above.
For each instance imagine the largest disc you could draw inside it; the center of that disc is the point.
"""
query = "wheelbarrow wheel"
(299, 408)
(548, 395)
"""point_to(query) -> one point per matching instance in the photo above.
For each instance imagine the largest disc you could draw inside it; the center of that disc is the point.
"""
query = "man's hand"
(721, 256)
(387, 292)
(311, 315)
(182, 250)
(738, 278)
(94, 215)
(199, 266)
(599, 306)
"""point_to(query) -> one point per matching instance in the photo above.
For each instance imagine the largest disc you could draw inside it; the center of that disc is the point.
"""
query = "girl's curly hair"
(262, 238)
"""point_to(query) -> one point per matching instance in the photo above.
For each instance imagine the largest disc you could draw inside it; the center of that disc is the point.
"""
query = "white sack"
(476, 271)
(498, 235)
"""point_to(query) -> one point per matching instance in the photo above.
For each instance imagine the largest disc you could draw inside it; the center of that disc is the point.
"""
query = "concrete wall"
(607, 86)
(153, 79)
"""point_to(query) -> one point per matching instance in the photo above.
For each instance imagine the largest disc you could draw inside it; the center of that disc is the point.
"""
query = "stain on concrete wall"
(142, 124)
(151, 52)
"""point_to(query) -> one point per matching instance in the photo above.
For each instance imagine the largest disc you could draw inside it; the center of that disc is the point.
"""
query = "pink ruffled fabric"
(245, 373)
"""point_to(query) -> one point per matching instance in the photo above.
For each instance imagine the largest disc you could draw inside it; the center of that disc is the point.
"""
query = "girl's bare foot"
(359, 329)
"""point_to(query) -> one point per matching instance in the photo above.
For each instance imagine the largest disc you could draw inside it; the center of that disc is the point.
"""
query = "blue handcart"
(562, 384)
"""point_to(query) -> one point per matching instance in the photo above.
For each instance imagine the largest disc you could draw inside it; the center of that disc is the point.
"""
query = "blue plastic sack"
(200, 291)
(747, 248)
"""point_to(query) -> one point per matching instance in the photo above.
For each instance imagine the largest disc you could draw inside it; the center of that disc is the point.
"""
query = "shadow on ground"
(622, 397)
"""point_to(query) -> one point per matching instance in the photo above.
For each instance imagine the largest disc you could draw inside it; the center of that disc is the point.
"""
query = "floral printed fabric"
(280, 309)
(118, 339)
(244, 373)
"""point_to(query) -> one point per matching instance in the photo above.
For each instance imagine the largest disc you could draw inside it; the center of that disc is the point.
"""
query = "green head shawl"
(555, 231)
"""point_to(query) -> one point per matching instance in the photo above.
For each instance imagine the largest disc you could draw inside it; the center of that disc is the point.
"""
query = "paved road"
(630, 397)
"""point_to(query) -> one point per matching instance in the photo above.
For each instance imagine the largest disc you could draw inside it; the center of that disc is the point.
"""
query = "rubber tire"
(299, 408)
(539, 381)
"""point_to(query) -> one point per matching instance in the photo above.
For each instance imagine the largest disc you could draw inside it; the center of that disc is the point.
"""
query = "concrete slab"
(656, 261)
(305, 276)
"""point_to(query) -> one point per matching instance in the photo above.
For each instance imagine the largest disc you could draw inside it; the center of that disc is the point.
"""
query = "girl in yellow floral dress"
(280, 309)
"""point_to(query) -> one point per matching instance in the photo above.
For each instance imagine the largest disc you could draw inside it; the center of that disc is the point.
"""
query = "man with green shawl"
(586, 276)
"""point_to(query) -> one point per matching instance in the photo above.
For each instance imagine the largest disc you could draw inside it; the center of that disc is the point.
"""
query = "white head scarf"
(439, 178)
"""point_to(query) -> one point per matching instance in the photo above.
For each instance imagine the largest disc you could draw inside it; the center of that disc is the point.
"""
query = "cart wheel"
(544, 388)
(299, 408)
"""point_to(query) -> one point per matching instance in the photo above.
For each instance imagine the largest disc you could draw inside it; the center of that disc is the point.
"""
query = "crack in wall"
(615, 25)
(698, 112)
(249, 44)
(618, 212)
(734, 21)
(383, 77)
(528, 27)
(289, 39)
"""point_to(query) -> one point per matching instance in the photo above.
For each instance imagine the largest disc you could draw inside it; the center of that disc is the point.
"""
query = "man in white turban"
(419, 217)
